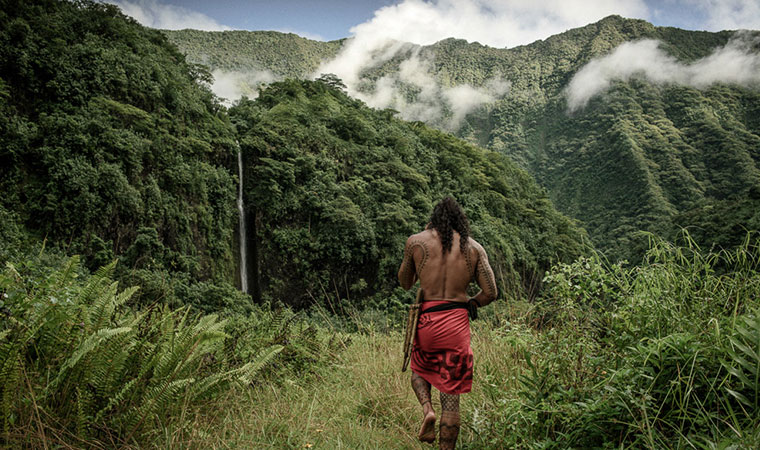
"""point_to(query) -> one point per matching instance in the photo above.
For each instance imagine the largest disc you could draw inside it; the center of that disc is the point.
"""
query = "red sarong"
(441, 353)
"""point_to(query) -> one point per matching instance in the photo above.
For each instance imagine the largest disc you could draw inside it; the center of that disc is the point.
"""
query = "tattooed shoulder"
(411, 245)
(485, 273)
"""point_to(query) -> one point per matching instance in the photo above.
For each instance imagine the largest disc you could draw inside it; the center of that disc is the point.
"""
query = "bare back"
(445, 276)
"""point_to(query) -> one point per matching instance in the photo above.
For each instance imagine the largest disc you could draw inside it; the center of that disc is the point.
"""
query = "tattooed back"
(445, 276)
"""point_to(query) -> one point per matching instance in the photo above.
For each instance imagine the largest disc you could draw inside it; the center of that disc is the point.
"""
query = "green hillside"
(113, 147)
(110, 148)
(642, 156)
(338, 187)
(284, 54)
(637, 156)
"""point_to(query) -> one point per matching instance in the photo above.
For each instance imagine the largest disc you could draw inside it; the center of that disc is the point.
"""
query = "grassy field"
(362, 401)
(660, 356)
(663, 355)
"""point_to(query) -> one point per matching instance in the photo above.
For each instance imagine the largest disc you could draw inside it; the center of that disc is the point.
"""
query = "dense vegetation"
(336, 188)
(285, 55)
(642, 157)
(110, 147)
(79, 368)
(113, 148)
(664, 355)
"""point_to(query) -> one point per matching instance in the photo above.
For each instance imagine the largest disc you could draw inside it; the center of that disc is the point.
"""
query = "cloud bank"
(736, 63)
(432, 102)
(416, 93)
(501, 23)
(153, 14)
(230, 86)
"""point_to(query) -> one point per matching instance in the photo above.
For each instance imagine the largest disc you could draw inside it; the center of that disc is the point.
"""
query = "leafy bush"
(76, 364)
(663, 355)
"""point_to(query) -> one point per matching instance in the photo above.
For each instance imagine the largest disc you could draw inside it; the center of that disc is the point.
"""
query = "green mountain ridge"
(112, 146)
(642, 156)
(262, 50)
(347, 184)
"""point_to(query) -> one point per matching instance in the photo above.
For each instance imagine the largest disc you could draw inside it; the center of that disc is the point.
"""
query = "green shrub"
(73, 358)
(661, 355)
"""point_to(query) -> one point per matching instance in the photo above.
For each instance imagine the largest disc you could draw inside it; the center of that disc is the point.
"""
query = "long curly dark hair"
(447, 217)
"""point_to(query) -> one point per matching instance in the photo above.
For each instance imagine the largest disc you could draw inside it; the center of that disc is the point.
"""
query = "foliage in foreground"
(76, 365)
(664, 355)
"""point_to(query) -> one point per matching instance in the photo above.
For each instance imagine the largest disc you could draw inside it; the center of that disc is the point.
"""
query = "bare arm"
(415, 250)
(485, 279)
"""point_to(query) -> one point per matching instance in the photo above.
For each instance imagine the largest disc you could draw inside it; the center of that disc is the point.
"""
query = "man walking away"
(445, 259)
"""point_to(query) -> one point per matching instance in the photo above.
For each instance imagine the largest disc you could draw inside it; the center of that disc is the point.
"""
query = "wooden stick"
(411, 329)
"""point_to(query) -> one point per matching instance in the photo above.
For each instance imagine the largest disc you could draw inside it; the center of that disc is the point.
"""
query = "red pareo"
(441, 353)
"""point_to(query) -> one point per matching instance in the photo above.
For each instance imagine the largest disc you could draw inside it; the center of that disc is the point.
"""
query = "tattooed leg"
(422, 389)
(449, 428)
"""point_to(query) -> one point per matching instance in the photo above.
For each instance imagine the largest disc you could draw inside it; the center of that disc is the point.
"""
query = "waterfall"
(241, 210)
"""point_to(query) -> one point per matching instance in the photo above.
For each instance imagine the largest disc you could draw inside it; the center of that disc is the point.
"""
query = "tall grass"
(661, 355)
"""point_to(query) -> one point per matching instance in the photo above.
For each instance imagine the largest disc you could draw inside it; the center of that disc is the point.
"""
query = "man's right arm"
(408, 273)
(484, 277)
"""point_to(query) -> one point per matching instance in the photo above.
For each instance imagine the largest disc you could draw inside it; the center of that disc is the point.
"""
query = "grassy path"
(363, 401)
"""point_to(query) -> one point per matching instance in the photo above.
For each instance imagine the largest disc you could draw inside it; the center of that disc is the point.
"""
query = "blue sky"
(327, 20)
(334, 19)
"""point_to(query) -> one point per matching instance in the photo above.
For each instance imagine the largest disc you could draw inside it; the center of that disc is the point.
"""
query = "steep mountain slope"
(112, 146)
(109, 147)
(634, 157)
(337, 188)
(642, 156)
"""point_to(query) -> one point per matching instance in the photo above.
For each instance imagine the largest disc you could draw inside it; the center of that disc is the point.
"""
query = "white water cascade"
(241, 210)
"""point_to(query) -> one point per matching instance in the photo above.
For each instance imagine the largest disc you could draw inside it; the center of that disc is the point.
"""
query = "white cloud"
(431, 102)
(233, 85)
(728, 14)
(153, 14)
(735, 63)
(500, 23)
(496, 23)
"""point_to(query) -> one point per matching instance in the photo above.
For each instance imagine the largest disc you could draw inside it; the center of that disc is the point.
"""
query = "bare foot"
(427, 430)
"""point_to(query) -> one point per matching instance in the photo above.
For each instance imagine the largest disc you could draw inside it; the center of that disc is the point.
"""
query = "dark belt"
(471, 306)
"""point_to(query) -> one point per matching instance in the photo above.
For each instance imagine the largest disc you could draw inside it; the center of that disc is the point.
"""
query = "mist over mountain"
(628, 126)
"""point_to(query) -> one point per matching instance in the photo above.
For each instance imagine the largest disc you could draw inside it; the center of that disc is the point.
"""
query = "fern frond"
(105, 272)
(61, 277)
(252, 369)
(154, 400)
(89, 344)
(119, 397)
